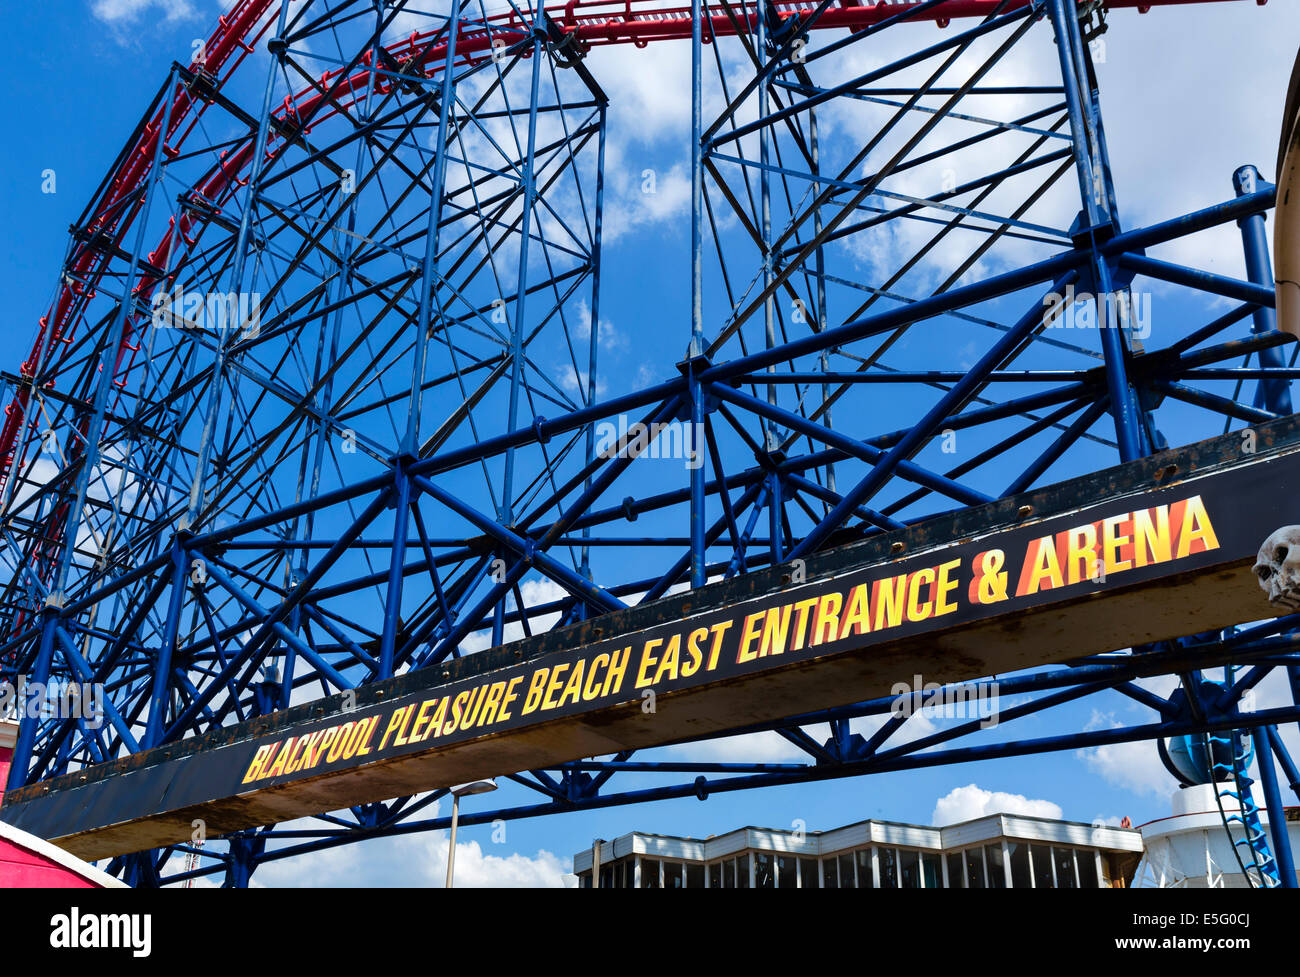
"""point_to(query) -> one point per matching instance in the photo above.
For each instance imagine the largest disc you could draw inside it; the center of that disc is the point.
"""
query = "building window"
(787, 872)
(866, 872)
(808, 877)
(909, 869)
(975, 868)
(1065, 877)
(1041, 857)
(995, 865)
(649, 873)
(1020, 877)
(672, 875)
(956, 873)
(1087, 860)
(887, 865)
(931, 872)
(848, 877)
(997, 869)
(831, 873)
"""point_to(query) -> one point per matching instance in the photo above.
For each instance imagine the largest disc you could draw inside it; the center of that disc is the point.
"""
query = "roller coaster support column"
(322, 427)
(27, 724)
(108, 361)
(772, 445)
(1271, 393)
(1287, 764)
(529, 181)
(239, 261)
(696, 350)
(821, 317)
(90, 458)
(160, 695)
(246, 848)
(1098, 218)
(402, 490)
(593, 340)
(1274, 393)
(1265, 737)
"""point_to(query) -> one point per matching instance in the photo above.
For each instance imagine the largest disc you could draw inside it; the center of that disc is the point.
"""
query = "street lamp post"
(457, 792)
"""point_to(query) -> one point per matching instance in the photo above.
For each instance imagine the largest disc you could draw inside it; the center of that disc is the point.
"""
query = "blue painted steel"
(393, 471)
(1273, 394)
(1264, 737)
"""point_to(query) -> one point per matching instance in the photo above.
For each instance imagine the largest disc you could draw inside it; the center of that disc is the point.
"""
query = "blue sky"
(1189, 95)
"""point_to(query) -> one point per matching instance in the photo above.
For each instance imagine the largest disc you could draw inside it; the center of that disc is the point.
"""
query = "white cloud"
(609, 338)
(969, 802)
(420, 861)
(646, 196)
(637, 83)
(764, 747)
(39, 472)
(121, 11)
(534, 592)
(771, 747)
(575, 382)
(1134, 767)
(1175, 137)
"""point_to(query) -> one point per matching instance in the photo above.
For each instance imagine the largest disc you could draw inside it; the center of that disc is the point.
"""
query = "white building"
(997, 851)
(1192, 850)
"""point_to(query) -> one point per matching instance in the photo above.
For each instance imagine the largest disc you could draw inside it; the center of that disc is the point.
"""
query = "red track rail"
(594, 22)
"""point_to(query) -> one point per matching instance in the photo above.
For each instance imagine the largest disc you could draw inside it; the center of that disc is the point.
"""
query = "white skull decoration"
(1278, 568)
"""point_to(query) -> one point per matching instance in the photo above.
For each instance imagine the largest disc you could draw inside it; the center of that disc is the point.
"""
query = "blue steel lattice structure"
(308, 441)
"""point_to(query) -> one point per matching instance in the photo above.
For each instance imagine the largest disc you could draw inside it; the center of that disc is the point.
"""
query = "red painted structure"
(27, 862)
